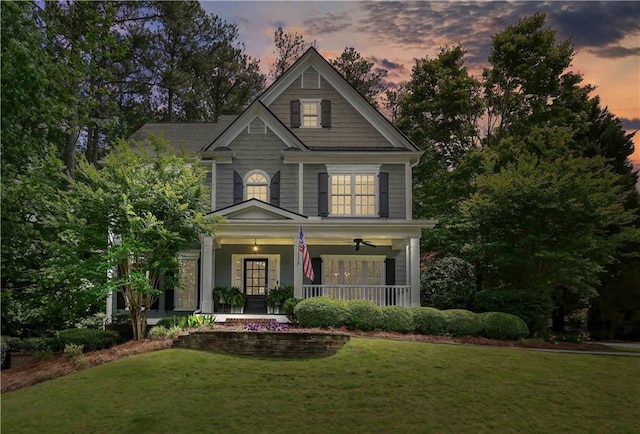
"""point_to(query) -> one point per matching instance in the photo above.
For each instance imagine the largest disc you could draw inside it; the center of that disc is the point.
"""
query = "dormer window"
(257, 183)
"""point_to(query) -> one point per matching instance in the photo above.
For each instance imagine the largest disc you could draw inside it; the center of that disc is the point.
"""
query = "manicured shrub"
(40, 346)
(321, 312)
(122, 325)
(397, 319)
(92, 339)
(363, 315)
(428, 320)
(460, 322)
(500, 325)
(533, 308)
(289, 309)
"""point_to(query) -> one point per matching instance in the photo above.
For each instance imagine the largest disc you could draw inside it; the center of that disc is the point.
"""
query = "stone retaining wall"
(264, 344)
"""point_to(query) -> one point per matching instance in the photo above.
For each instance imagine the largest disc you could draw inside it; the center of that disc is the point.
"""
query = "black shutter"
(390, 279)
(383, 178)
(323, 194)
(325, 119)
(275, 189)
(120, 303)
(390, 271)
(295, 114)
(238, 188)
(316, 264)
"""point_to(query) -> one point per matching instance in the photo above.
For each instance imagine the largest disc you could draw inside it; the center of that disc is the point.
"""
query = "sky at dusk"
(606, 36)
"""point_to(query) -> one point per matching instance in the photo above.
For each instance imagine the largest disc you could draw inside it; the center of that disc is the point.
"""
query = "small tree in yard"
(151, 204)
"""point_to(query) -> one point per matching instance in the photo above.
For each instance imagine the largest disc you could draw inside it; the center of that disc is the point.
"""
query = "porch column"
(206, 275)
(297, 269)
(414, 277)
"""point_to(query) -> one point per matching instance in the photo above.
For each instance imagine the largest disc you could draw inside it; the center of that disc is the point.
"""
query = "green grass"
(371, 385)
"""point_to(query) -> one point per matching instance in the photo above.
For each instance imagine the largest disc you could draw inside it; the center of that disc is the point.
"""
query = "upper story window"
(257, 185)
(353, 190)
(353, 195)
(310, 113)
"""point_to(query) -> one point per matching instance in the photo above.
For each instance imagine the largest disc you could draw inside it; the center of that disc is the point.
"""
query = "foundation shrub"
(321, 312)
(289, 307)
(363, 315)
(500, 325)
(92, 339)
(460, 322)
(397, 319)
(428, 320)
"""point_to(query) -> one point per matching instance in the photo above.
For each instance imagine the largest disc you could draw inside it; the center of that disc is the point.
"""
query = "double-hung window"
(310, 113)
(353, 190)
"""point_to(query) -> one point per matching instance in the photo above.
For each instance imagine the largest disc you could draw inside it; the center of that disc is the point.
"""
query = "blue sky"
(606, 35)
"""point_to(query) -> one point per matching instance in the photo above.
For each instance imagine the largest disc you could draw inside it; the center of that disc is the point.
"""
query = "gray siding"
(258, 151)
(348, 127)
(401, 267)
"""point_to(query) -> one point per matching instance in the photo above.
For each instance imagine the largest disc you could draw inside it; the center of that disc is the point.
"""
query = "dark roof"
(358, 148)
(194, 136)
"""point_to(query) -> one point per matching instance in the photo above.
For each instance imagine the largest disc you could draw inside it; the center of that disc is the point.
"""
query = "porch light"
(255, 245)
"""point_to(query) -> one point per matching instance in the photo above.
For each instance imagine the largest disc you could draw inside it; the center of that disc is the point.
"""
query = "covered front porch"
(257, 250)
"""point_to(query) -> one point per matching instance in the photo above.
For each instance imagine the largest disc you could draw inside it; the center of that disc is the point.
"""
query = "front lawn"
(371, 385)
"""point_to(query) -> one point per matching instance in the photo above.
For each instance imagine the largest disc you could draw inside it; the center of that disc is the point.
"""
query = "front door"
(256, 278)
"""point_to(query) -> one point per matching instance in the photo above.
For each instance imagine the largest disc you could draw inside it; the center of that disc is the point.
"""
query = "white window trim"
(238, 257)
(354, 169)
(317, 102)
(246, 178)
(368, 258)
(188, 256)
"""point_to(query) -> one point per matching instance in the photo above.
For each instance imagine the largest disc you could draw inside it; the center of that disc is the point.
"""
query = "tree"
(193, 67)
(528, 73)
(289, 46)
(150, 202)
(545, 224)
(360, 73)
(37, 294)
(439, 111)
(448, 283)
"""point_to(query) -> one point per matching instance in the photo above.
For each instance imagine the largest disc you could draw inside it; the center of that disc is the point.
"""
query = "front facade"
(309, 153)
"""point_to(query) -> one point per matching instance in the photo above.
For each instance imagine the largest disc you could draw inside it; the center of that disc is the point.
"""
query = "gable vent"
(257, 126)
(310, 79)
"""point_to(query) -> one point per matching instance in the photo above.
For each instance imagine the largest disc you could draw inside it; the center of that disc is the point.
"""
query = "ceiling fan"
(359, 241)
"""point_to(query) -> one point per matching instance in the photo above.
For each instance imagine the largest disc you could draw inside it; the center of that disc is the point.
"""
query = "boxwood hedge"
(363, 315)
(428, 320)
(460, 322)
(499, 325)
(321, 312)
(397, 319)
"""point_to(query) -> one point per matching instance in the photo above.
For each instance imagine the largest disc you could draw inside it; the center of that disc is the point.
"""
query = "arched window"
(257, 185)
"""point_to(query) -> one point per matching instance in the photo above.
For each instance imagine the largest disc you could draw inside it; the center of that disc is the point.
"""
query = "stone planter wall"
(264, 344)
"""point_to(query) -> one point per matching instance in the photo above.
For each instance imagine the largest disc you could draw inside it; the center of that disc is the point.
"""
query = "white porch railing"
(382, 295)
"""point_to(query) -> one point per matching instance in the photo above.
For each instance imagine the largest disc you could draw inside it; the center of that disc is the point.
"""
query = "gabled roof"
(256, 109)
(312, 58)
(255, 209)
(192, 135)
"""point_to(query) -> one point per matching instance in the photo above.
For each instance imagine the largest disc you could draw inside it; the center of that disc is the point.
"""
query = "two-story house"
(310, 152)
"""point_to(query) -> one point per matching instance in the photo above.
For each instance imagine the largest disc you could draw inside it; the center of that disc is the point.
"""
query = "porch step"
(239, 319)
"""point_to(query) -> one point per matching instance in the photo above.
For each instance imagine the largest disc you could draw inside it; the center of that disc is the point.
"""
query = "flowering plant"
(274, 326)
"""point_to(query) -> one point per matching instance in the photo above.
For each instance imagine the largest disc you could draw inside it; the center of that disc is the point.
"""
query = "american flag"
(306, 260)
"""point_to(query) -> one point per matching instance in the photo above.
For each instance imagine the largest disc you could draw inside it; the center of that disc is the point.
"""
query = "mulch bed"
(58, 366)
